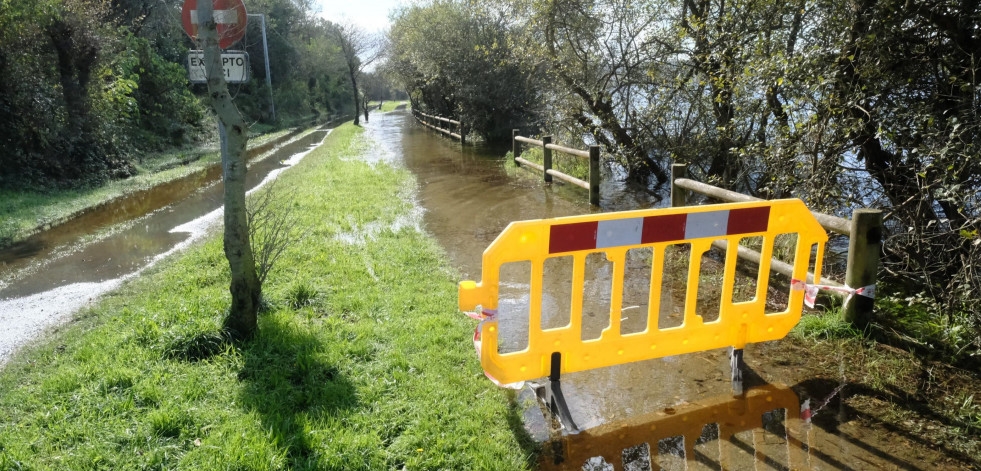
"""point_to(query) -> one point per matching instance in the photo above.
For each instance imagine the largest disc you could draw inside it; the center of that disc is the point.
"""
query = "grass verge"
(24, 212)
(389, 105)
(362, 360)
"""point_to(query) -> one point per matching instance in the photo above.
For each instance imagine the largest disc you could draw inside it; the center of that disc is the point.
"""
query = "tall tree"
(360, 50)
(245, 289)
(456, 58)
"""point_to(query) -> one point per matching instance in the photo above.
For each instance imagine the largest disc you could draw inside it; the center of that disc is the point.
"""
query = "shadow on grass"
(290, 385)
(516, 423)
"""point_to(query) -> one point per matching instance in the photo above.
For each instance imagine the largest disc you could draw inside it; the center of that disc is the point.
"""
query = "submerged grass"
(361, 361)
(25, 211)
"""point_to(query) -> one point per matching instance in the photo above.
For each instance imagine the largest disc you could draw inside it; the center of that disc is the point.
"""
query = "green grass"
(826, 325)
(24, 212)
(389, 105)
(362, 360)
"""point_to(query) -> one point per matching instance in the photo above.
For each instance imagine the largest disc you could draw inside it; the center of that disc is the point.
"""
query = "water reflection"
(762, 426)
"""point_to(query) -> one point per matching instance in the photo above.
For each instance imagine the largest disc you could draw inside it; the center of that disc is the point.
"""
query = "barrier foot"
(736, 364)
(554, 397)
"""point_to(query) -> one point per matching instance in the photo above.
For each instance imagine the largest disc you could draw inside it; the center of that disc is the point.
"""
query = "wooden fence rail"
(547, 147)
(434, 123)
(864, 233)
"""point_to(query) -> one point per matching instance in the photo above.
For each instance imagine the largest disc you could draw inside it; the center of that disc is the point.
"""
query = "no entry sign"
(229, 15)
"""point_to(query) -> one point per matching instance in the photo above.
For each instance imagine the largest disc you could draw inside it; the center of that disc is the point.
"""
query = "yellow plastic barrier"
(616, 233)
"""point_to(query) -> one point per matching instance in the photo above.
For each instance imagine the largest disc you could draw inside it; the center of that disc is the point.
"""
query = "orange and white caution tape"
(488, 315)
(811, 291)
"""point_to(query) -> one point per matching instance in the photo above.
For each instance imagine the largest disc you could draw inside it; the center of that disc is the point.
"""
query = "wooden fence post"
(463, 132)
(864, 246)
(594, 175)
(515, 146)
(547, 157)
(679, 196)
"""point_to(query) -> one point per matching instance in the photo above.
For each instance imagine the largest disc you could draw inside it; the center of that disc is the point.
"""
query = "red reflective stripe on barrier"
(656, 229)
(572, 237)
(747, 220)
(664, 228)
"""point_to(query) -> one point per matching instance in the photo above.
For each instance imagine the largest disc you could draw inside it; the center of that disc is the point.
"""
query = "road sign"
(234, 63)
(230, 16)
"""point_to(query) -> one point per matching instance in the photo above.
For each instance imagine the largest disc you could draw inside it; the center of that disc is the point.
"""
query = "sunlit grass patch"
(827, 325)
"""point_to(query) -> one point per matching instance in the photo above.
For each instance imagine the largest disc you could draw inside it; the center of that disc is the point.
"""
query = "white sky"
(372, 15)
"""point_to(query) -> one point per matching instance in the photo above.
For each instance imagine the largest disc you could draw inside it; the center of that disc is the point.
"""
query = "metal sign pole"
(265, 51)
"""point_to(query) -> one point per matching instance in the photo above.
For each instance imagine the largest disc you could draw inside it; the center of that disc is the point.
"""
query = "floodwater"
(677, 412)
(49, 276)
(670, 413)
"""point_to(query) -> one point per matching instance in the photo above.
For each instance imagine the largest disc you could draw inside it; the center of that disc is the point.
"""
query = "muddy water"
(68, 266)
(669, 413)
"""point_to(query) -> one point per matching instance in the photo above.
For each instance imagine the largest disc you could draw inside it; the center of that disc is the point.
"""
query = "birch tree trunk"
(245, 289)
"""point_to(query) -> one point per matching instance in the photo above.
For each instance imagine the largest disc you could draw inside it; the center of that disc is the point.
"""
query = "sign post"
(231, 20)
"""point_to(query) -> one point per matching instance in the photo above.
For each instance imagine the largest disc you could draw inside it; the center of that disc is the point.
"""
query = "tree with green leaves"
(456, 59)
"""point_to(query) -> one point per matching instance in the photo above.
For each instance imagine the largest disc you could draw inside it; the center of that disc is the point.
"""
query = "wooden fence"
(547, 147)
(436, 123)
(864, 233)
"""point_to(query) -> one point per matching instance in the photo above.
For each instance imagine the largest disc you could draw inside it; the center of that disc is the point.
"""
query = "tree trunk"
(354, 87)
(75, 59)
(364, 107)
(245, 289)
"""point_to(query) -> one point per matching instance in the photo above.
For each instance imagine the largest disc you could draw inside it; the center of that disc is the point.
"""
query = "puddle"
(44, 289)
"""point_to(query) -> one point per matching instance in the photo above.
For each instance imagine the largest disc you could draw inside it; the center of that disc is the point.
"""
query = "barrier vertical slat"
(801, 262)
(763, 279)
(729, 278)
(616, 292)
(654, 299)
(698, 249)
(535, 303)
(578, 285)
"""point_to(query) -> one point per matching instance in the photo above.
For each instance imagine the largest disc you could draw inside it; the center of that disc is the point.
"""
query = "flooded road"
(670, 413)
(45, 279)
